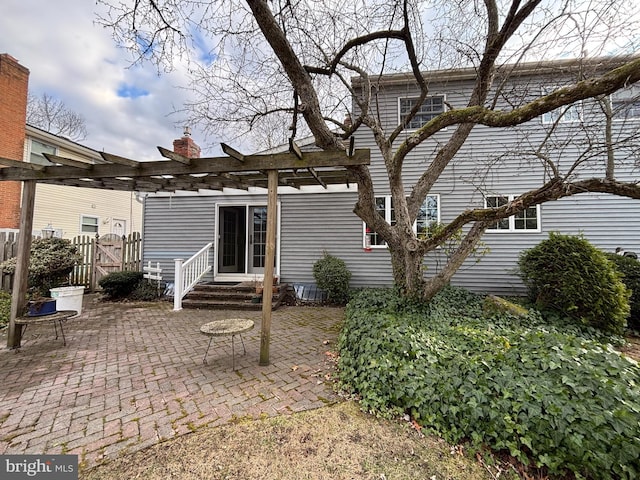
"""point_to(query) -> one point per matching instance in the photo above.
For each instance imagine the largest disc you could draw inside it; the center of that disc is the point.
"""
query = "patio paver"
(132, 376)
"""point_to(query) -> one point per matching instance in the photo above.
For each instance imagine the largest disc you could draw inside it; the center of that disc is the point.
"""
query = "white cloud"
(71, 57)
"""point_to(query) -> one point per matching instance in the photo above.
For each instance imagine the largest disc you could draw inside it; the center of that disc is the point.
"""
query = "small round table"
(229, 327)
(56, 318)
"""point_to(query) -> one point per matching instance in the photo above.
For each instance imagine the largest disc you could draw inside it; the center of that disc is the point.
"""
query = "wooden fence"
(100, 256)
(8, 249)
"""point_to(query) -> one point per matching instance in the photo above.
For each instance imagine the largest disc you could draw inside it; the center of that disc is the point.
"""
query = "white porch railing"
(189, 273)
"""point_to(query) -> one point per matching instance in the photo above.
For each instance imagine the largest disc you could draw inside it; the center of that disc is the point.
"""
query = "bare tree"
(317, 61)
(51, 114)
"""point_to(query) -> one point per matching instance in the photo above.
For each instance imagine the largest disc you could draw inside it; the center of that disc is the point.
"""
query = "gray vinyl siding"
(607, 221)
(176, 227)
(315, 222)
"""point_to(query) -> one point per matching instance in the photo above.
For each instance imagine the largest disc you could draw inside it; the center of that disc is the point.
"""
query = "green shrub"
(5, 307)
(554, 396)
(50, 263)
(568, 274)
(118, 285)
(332, 276)
(144, 292)
(630, 270)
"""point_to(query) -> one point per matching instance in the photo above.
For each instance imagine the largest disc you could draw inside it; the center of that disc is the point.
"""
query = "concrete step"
(230, 297)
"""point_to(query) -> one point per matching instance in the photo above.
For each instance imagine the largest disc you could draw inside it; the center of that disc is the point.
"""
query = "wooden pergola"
(177, 173)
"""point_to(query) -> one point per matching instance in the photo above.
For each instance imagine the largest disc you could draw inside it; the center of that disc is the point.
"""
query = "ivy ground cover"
(549, 393)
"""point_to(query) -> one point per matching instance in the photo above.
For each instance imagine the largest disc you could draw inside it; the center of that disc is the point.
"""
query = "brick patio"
(132, 376)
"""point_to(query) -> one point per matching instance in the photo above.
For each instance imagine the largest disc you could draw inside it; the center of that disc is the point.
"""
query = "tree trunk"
(468, 243)
(408, 271)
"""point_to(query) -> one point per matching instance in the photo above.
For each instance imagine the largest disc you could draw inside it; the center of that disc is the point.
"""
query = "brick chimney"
(185, 146)
(14, 84)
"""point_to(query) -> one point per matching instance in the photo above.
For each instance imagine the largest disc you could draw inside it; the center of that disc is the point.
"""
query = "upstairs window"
(430, 109)
(428, 214)
(626, 109)
(567, 114)
(527, 220)
(38, 149)
(625, 104)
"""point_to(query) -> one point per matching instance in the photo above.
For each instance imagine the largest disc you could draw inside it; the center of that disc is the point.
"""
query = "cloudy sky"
(127, 109)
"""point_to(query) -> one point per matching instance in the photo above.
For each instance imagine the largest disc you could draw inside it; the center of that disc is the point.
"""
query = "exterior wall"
(62, 207)
(314, 223)
(14, 80)
(498, 162)
(491, 162)
(176, 227)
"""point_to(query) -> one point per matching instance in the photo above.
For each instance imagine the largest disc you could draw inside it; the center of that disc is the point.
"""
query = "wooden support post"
(270, 256)
(21, 276)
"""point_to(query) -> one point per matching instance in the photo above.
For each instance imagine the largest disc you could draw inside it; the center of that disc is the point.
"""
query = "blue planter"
(41, 307)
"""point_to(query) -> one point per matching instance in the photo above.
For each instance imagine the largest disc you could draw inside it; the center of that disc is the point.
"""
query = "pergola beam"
(68, 162)
(216, 165)
(21, 166)
(176, 157)
(232, 152)
(119, 160)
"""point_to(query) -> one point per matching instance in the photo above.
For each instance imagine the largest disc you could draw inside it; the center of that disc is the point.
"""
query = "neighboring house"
(73, 211)
(63, 211)
(313, 220)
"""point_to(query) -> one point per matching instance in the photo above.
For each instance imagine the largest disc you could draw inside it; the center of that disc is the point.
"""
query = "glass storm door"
(231, 250)
(242, 239)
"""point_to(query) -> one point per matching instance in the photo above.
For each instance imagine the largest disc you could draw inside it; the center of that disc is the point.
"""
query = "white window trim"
(30, 148)
(512, 218)
(387, 218)
(409, 129)
(82, 223)
(548, 119)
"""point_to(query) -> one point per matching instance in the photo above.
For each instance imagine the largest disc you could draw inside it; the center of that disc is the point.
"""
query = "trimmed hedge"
(120, 284)
(554, 396)
(568, 274)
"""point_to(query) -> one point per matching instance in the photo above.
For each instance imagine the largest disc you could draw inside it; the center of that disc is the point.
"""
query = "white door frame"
(240, 277)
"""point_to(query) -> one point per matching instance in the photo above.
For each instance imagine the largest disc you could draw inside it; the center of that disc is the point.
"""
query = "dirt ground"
(337, 442)
(632, 349)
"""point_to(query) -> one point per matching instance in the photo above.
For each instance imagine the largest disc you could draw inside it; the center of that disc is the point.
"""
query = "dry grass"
(336, 442)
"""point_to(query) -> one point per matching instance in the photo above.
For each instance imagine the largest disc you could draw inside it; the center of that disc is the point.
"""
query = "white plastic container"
(68, 298)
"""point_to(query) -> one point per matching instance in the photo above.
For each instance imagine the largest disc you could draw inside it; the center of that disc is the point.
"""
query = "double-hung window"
(430, 108)
(428, 214)
(88, 224)
(527, 220)
(566, 114)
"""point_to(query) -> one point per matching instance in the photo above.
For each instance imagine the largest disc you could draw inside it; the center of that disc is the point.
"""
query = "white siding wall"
(62, 207)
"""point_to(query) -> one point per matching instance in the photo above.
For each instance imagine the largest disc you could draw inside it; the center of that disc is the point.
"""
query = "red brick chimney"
(14, 84)
(185, 146)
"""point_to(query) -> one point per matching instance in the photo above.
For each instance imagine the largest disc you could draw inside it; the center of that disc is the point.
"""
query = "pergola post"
(270, 255)
(21, 276)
